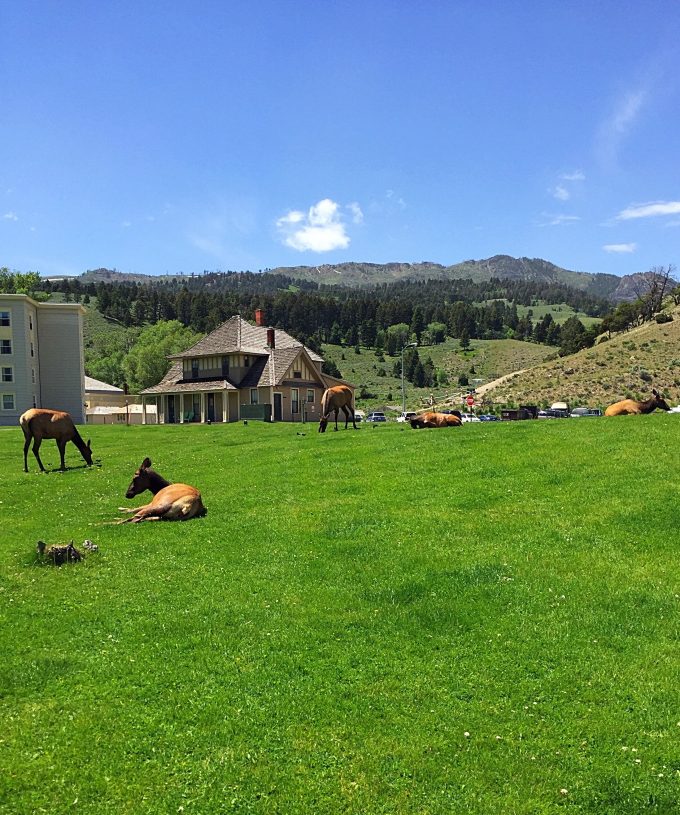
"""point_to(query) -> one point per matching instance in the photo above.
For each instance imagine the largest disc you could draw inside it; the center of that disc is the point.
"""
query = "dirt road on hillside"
(482, 389)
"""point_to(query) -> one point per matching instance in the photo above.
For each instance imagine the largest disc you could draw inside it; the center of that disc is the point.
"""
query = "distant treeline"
(316, 314)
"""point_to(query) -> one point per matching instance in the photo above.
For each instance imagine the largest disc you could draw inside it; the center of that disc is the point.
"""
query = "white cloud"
(321, 229)
(620, 248)
(10, 216)
(126, 224)
(650, 210)
(577, 175)
(619, 123)
(561, 193)
(559, 220)
(357, 214)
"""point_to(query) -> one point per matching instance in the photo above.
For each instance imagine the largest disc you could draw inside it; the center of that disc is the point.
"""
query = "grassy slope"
(385, 620)
(606, 373)
(490, 358)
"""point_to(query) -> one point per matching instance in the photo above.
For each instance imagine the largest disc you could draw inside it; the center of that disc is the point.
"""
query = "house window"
(8, 401)
(33, 376)
(294, 400)
(4, 318)
(31, 349)
(246, 362)
(194, 369)
(297, 374)
(5, 346)
(310, 396)
(254, 396)
(196, 407)
(7, 374)
(30, 322)
(225, 367)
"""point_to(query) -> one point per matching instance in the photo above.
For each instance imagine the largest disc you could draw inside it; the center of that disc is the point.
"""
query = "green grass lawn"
(381, 621)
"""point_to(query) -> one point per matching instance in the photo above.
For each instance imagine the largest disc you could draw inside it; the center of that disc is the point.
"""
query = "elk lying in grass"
(633, 407)
(432, 419)
(333, 400)
(171, 502)
(40, 423)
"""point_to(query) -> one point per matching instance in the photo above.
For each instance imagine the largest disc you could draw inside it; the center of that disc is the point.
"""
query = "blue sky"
(168, 137)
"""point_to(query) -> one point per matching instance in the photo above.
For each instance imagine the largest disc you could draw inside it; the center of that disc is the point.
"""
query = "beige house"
(242, 371)
(41, 357)
(107, 404)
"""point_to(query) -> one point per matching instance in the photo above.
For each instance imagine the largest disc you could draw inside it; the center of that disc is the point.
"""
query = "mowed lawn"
(481, 620)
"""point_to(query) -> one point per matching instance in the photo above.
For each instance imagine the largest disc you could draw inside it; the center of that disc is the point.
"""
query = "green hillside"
(630, 364)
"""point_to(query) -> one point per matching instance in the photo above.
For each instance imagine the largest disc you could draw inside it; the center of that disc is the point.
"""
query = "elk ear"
(146, 464)
(655, 392)
(88, 445)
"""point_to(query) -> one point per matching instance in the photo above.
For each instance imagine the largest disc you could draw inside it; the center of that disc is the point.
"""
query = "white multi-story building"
(41, 357)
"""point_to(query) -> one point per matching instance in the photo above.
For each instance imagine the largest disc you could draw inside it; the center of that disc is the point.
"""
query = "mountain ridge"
(355, 274)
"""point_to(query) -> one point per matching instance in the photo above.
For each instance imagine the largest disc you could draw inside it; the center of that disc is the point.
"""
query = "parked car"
(359, 416)
(469, 417)
(376, 416)
(553, 413)
(578, 413)
(489, 417)
(407, 416)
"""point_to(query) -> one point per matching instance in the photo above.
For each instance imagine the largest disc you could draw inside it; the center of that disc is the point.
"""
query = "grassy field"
(481, 620)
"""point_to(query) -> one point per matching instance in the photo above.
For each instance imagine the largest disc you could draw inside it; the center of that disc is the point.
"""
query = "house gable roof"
(238, 335)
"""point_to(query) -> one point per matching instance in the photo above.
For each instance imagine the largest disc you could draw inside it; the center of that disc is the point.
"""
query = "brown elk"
(336, 399)
(433, 419)
(171, 502)
(39, 424)
(632, 407)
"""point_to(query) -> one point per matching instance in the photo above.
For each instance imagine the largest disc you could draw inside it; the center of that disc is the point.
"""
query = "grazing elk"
(39, 424)
(631, 406)
(334, 400)
(171, 502)
(432, 419)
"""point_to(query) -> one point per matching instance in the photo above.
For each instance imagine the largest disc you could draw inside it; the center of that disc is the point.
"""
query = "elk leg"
(36, 453)
(147, 513)
(62, 450)
(128, 509)
(27, 444)
(336, 417)
(346, 412)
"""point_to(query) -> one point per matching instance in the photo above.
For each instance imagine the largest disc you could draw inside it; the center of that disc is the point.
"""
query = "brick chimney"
(271, 342)
(259, 317)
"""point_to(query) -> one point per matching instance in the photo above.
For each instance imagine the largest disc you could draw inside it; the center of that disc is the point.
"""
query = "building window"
(30, 322)
(8, 401)
(294, 400)
(31, 349)
(5, 346)
(33, 376)
(4, 318)
(7, 374)
(254, 396)
(246, 362)
(35, 404)
(225, 367)
(310, 396)
(194, 369)
(297, 374)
